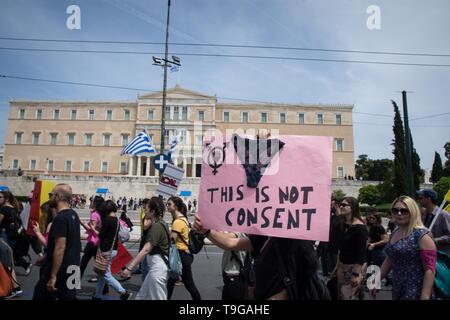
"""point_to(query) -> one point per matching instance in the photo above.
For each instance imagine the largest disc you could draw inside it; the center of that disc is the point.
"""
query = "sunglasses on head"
(400, 211)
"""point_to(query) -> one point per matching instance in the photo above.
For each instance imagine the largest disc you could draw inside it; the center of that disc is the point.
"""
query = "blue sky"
(406, 26)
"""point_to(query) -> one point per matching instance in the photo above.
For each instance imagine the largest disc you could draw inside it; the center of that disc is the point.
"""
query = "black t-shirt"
(354, 244)
(65, 225)
(107, 233)
(8, 213)
(269, 279)
(375, 235)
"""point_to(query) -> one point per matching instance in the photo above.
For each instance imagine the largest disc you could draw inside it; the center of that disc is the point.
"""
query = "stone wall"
(142, 187)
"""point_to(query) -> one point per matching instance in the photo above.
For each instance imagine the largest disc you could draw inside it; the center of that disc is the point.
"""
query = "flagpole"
(163, 121)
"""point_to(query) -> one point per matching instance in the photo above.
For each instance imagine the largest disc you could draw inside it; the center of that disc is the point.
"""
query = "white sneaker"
(28, 269)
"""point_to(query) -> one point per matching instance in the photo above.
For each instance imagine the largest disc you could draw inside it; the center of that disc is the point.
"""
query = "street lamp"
(165, 63)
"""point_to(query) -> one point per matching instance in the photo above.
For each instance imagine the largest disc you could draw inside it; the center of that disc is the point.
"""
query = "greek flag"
(174, 69)
(142, 143)
(172, 147)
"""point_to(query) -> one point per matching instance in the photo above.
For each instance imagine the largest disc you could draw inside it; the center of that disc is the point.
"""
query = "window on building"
(104, 166)
(167, 112)
(338, 119)
(91, 114)
(73, 115)
(126, 114)
(282, 117)
(185, 113)
(201, 115)
(150, 115)
(339, 144)
(109, 115)
(340, 172)
(15, 164)
(264, 117)
(319, 118)
(199, 140)
(71, 139)
(22, 114)
(86, 166)
(125, 137)
(19, 137)
(56, 114)
(107, 139)
(176, 113)
(245, 117)
(53, 137)
(123, 167)
(88, 139)
(50, 165)
(166, 137)
(36, 137)
(32, 164)
(301, 118)
(226, 116)
(68, 165)
(39, 114)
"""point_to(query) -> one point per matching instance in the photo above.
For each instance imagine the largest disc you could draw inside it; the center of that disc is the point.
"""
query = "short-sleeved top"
(181, 228)
(158, 236)
(354, 244)
(65, 225)
(108, 233)
(92, 237)
(376, 235)
(266, 269)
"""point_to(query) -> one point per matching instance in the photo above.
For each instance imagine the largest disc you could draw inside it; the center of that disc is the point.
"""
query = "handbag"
(102, 259)
(196, 240)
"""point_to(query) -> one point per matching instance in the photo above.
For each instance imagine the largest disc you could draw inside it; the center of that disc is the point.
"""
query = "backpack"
(14, 228)
(246, 272)
(174, 260)
(196, 240)
(299, 264)
(124, 233)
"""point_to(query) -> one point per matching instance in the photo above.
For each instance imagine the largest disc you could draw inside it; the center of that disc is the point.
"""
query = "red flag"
(121, 260)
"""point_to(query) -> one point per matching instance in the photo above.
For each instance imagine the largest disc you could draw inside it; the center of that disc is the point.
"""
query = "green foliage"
(370, 195)
(386, 190)
(441, 187)
(399, 181)
(437, 171)
(338, 194)
(373, 170)
(418, 172)
(446, 171)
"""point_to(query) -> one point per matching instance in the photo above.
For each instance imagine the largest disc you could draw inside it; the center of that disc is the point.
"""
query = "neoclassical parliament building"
(87, 137)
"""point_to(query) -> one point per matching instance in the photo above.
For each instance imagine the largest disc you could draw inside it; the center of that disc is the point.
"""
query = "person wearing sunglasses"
(352, 258)
(411, 254)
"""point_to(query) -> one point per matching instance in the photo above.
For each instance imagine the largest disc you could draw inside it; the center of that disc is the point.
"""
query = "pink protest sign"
(281, 188)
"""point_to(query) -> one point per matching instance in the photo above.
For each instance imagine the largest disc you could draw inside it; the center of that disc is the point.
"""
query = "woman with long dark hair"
(352, 258)
(180, 233)
(156, 252)
(11, 227)
(377, 239)
(108, 243)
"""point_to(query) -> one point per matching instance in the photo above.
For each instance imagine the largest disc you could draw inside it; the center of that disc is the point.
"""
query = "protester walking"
(108, 248)
(180, 233)
(156, 252)
(411, 254)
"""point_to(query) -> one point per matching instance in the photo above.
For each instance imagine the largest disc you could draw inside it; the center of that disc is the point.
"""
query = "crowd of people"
(253, 266)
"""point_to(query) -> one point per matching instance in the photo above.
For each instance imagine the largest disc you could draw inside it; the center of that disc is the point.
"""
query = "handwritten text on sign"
(292, 201)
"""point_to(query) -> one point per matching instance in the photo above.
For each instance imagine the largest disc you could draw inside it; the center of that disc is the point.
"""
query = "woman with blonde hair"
(411, 254)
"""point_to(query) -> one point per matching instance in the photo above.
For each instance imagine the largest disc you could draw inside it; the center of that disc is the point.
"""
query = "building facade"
(86, 138)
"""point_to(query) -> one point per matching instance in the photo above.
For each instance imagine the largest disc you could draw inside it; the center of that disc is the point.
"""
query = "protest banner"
(276, 186)
(42, 189)
(169, 181)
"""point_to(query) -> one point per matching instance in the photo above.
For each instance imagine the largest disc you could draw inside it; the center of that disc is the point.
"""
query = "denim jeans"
(109, 279)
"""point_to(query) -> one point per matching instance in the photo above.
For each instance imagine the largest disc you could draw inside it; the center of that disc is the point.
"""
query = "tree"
(362, 167)
(370, 195)
(446, 171)
(418, 172)
(386, 190)
(441, 187)
(436, 172)
(338, 194)
(374, 170)
(399, 182)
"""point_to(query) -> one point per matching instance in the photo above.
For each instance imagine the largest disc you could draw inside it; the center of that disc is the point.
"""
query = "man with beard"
(63, 250)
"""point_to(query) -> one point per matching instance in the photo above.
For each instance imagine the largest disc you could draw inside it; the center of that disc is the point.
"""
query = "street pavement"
(206, 271)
